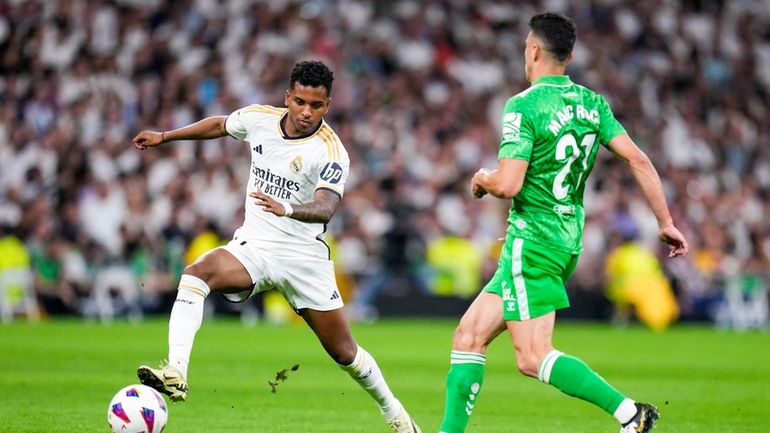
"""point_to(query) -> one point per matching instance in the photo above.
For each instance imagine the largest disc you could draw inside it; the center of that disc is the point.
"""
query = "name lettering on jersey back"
(568, 113)
(273, 184)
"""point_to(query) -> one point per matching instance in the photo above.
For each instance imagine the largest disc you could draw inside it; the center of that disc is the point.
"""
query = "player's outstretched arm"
(208, 128)
(320, 210)
(649, 181)
(503, 182)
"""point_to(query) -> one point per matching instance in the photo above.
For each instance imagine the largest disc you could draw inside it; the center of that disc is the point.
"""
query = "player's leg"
(536, 357)
(481, 323)
(217, 271)
(332, 329)
(539, 275)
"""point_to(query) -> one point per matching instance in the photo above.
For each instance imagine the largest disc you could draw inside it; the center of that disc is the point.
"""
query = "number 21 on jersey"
(567, 150)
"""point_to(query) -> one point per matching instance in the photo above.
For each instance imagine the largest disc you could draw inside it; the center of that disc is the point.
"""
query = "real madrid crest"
(296, 164)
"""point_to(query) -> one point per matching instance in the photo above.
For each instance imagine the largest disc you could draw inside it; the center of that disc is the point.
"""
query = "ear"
(568, 59)
(286, 98)
(536, 52)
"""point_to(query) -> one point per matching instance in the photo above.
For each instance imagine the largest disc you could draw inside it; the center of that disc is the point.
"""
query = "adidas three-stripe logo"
(335, 295)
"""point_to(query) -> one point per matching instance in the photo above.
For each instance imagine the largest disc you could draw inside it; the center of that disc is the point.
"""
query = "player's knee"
(527, 362)
(344, 354)
(465, 340)
(200, 270)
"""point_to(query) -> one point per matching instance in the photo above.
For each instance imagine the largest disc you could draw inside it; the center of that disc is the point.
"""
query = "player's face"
(307, 106)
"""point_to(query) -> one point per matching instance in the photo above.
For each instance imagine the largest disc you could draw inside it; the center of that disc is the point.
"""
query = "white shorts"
(305, 281)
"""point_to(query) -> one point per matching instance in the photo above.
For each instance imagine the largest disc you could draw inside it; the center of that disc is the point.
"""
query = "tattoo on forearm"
(320, 210)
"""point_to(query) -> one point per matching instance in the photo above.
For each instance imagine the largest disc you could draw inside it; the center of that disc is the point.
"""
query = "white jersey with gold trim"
(290, 170)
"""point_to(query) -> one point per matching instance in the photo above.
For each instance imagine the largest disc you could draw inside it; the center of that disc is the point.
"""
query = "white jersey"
(290, 170)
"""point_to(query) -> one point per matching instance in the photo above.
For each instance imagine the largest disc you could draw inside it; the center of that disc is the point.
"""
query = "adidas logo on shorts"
(335, 295)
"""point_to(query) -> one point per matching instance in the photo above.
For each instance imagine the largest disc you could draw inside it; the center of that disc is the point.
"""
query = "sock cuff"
(544, 373)
(194, 284)
(625, 411)
(458, 357)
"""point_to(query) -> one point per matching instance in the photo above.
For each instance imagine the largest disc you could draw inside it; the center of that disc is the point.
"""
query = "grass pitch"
(59, 376)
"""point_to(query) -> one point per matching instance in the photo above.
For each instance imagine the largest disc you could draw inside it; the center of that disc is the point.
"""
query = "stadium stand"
(418, 93)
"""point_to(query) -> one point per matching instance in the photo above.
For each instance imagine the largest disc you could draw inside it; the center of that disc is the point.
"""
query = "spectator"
(690, 79)
(636, 284)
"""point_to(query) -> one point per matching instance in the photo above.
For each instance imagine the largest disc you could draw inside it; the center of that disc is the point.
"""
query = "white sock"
(625, 411)
(366, 372)
(186, 318)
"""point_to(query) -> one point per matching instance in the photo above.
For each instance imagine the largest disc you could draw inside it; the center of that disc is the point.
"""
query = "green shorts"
(530, 278)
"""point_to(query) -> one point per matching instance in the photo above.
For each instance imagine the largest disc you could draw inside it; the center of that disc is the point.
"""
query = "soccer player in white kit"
(297, 179)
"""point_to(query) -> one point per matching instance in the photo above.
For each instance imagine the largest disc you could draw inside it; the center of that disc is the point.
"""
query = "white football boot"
(644, 420)
(165, 379)
(403, 423)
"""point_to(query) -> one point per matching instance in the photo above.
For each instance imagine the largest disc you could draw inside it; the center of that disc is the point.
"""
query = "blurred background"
(91, 227)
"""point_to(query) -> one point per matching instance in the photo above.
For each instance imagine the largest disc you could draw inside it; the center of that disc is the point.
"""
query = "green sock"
(574, 377)
(463, 384)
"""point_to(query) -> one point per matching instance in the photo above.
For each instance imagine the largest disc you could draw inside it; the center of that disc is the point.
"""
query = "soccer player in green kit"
(550, 136)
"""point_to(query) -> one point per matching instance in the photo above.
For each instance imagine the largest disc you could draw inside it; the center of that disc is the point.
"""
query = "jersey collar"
(558, 80)
(299, 137)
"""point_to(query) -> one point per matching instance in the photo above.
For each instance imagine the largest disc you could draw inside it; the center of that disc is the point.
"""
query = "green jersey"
(557, 126)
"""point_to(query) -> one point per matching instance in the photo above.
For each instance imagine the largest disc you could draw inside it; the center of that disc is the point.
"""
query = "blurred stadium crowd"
(418, 93)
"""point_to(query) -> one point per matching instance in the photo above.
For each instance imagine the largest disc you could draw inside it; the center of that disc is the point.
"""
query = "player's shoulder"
(256, 115)
(590, 94)
(331, 142)
(528, 96)
(262, 109)
(521, 96)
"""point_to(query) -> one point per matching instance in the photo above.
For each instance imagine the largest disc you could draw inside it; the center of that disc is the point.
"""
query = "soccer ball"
(137, 409)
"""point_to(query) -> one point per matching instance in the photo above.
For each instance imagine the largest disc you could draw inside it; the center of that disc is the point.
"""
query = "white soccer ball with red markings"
(137, 409)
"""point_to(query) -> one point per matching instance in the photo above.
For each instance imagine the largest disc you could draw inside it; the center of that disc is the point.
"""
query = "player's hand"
(146, 139)
(675, 240)
(477, 190)
(268, 203)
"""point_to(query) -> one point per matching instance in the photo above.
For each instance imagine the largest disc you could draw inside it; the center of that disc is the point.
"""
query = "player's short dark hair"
(312, 73)
(557, 31)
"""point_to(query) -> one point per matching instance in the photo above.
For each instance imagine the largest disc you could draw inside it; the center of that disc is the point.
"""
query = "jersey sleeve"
(238, 122)
(234, 124)
(609, 127)
(333, 170)
(518, 132)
